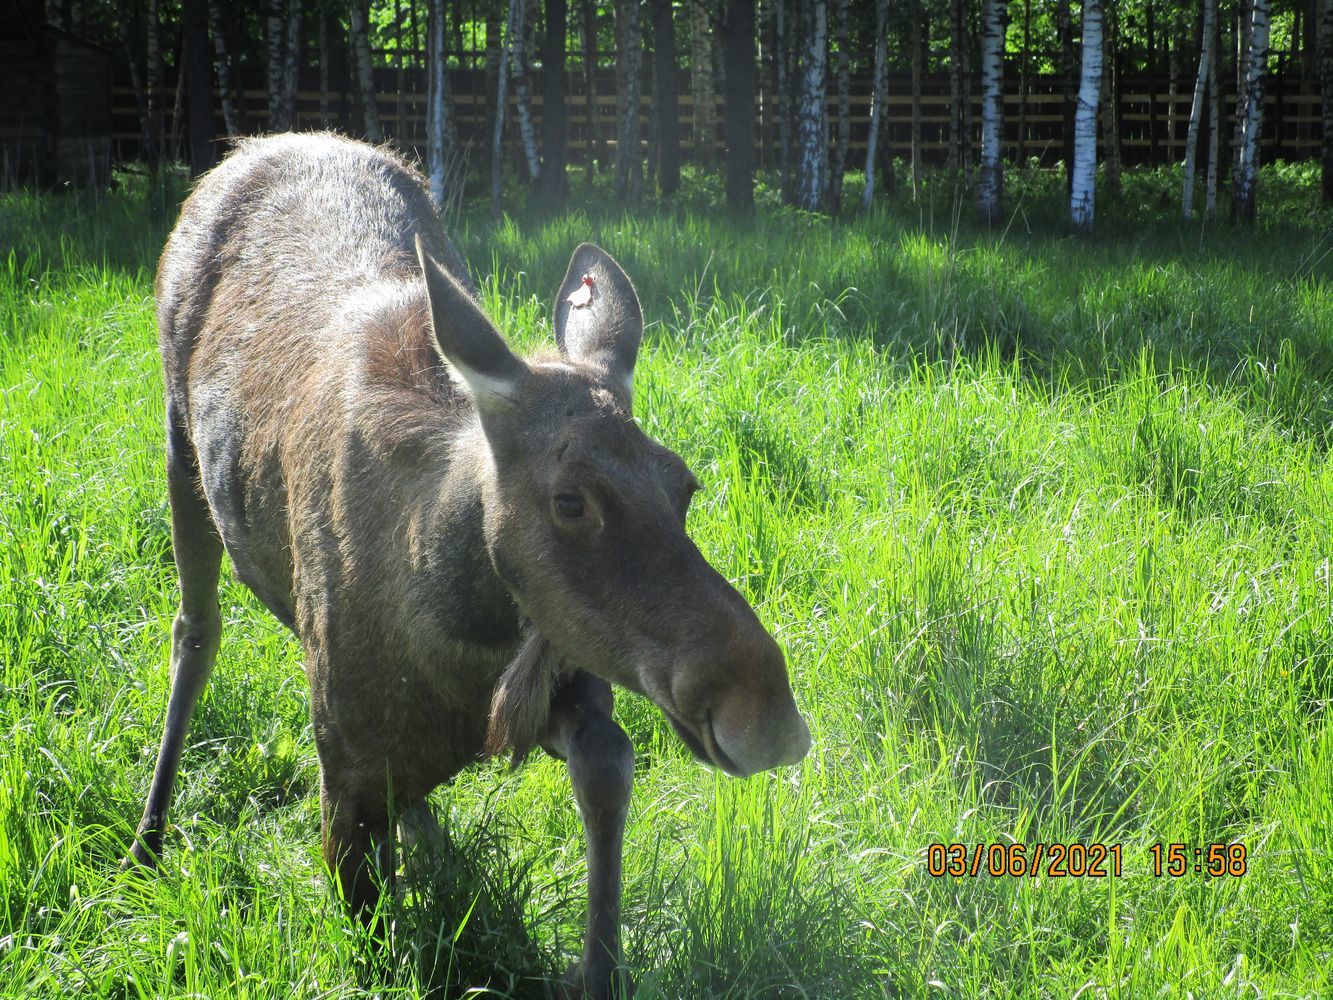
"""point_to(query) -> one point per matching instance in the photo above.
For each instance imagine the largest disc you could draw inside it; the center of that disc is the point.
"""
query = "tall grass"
(1042, 523)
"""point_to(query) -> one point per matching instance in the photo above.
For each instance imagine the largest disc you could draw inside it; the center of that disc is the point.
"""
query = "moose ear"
(598, 319)
(468, 340)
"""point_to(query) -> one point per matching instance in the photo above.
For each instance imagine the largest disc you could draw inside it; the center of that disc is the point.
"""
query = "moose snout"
(738, 702)
(757, 733)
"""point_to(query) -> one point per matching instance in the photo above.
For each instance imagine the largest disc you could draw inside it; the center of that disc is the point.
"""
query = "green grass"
(1043, 524)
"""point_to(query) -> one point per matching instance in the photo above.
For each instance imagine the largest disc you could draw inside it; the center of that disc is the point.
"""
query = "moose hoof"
(619, 986)
(139, 858)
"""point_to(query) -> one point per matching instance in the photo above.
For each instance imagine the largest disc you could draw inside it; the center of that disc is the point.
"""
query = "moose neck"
(466, 596)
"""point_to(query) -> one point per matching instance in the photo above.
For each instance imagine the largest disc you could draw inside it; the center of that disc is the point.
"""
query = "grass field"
(1044, 525)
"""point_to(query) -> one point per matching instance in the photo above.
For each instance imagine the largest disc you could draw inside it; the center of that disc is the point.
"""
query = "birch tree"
(1326, 87)
(1243, 194)
(276, 23)
(812, 147)
(440, 134)
(1085, 118)
(629, 54)
(1215, 126)
(990, 190)
(359, 35)
(1209, 16)
(521, 48)
(589, 33)
(511, 30)
(231, 121)
(879, 94)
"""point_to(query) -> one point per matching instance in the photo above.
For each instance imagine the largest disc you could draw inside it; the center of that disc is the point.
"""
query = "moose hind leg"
(356, 842)
(195, 634)
(600, 759)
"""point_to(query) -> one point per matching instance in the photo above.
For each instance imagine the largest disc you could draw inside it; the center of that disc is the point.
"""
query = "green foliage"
(1041, 522)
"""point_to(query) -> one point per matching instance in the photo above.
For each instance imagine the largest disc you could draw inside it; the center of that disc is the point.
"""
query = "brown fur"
(389, 479)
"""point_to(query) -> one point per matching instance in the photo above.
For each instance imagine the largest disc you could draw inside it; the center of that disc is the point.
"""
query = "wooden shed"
(55, 102)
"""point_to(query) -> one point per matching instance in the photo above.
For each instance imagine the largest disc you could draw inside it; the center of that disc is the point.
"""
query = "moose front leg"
(601, 769)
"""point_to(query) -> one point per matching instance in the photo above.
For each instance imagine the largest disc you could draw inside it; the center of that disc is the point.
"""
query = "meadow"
(1043, 524)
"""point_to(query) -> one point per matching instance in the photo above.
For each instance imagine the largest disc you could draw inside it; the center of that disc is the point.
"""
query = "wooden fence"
(1153, 118)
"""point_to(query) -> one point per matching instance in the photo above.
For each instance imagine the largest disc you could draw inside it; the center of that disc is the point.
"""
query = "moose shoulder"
(463, 540)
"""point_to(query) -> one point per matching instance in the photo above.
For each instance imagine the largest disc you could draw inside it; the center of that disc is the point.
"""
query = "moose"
(471, 547)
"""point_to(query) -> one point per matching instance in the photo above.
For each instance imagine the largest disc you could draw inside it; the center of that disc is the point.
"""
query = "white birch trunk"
(511, 30)
(1215, 126)
(879, 95)
(811, 125)
(439, 122)
(520, 62)
(365, 78)
(222, 67)
(156, 120)
(629, 56)
(1242, 203)
(1085, 118)
(1196, 107)
(990, 188)
(914, 36)
(275, 24)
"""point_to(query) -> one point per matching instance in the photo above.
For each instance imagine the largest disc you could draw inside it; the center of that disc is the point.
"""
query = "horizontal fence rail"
(1153, 119)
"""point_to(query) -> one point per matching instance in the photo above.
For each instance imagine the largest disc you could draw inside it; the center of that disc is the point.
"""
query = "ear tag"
(581, 296)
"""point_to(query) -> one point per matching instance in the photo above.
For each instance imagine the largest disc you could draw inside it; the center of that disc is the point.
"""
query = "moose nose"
(759, 731)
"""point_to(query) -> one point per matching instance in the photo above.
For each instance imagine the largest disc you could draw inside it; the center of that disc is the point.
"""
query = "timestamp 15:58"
(1176, 860)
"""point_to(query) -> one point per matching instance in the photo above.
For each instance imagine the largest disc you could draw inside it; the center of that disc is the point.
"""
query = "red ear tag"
(582, 295)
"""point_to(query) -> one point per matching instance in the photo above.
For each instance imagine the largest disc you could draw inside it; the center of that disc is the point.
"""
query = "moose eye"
(569, 505)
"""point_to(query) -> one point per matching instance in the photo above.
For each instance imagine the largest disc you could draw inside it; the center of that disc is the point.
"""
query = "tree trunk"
(703, 82)
(739, 54)
(324, 58)
(513, 25)
(629, 51)
(555, 113)
(1326, 87)
(197, 59)
(782, 31)
(1024, 84)
(365, 79)
(1065, 28)
(520, 62)
(441, 138)
(1150, 59)
(590, 80)
(1085, 119)
(291, 62)
(222, 67)
(991, 189)
(1215, 123)
(153, 29)
(917, 41)
(126, 26)
(812, 144)
(879, 94)
(843, 135)
(1196, 106)
(1244, 15)
(1243, 197)
(665, 86)
(1111, 101)
(956, 42)
(275, 24)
